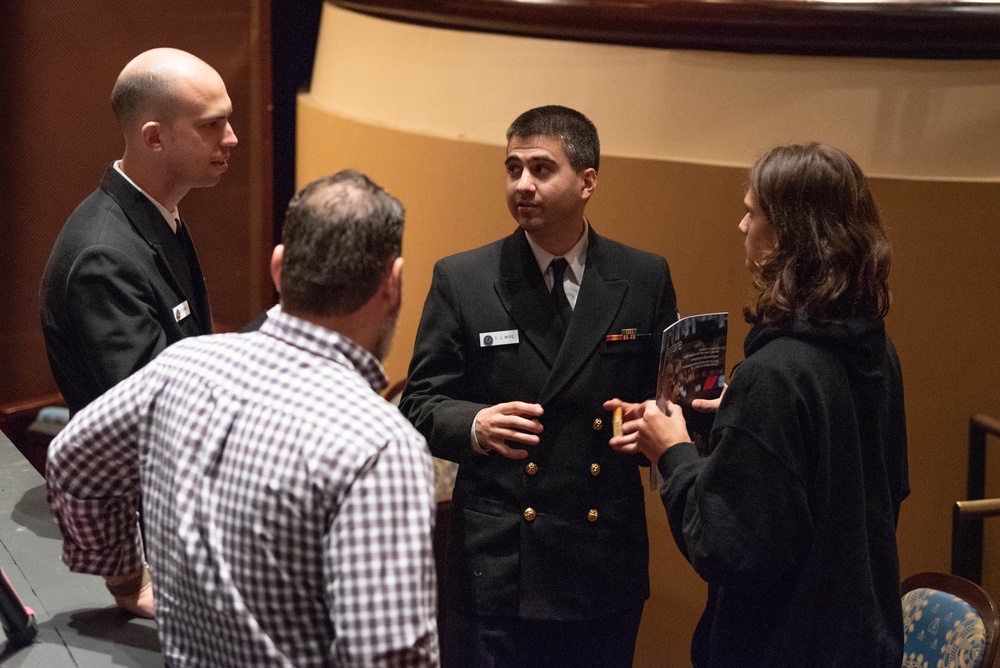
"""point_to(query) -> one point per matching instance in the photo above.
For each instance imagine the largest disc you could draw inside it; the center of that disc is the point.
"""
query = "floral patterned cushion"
(444, 478)
(941, 630)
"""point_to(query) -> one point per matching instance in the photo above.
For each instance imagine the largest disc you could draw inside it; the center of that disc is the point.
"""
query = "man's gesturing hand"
(511, 423)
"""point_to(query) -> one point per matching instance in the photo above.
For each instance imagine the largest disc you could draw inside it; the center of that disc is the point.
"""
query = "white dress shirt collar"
(170, 216)
(576, 257)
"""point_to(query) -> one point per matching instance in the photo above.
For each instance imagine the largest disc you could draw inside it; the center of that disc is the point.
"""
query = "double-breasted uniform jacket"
(117, 289)
(561, 534)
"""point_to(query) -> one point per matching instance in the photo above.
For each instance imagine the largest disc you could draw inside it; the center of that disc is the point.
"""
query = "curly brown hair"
(832, 256)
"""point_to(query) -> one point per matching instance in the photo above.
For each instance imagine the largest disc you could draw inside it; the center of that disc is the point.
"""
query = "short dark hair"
(341, 232)
(138, 93)
(578, 134)
(832, 258)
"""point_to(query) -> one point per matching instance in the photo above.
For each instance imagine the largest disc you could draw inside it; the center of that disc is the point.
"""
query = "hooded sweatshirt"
(791, 518)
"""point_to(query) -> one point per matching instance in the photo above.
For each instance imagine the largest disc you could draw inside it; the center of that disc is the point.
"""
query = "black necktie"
(563, 309)
(197, 280)
(187, 247)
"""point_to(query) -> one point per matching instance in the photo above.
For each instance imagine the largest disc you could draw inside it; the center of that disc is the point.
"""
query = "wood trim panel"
(888, 28)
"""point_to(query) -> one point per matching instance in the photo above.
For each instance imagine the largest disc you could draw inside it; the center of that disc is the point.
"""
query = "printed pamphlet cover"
(693, 366)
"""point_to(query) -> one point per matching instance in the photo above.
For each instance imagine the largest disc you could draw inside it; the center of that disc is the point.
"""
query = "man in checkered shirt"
(288, 508)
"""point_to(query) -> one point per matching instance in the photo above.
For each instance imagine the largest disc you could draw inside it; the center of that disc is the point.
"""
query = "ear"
(589, 179)
(393, 282)
(151, 133)
(277, 255)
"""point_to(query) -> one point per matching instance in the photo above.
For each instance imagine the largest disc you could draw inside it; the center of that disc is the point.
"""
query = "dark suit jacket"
(110, 287)
(565, 563)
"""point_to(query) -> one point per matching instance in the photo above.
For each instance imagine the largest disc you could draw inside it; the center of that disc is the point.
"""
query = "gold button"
(595, 469)
(531, 468)
(591, 515)
(598, 424)
(529, 514)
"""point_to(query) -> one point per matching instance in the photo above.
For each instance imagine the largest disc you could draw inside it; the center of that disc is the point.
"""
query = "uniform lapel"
(523, 293)
(149, 223)
(597, 305)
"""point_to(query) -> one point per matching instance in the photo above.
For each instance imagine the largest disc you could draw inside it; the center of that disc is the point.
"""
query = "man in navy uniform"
(123, 280)
(520, 343)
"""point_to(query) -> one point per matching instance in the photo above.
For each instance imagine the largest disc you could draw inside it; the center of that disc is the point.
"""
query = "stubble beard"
(384, 341)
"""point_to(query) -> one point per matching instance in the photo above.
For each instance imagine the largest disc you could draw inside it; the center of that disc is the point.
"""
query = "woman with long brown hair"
(791, 517)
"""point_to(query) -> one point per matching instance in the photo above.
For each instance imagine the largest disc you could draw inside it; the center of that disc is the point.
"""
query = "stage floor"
(78, 624)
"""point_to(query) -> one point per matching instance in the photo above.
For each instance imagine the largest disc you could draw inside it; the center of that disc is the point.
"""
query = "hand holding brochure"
(693, 366)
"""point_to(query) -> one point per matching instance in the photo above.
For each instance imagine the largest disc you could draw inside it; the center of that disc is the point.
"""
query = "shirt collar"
(170, 216)
(576, 256)
(325, 343)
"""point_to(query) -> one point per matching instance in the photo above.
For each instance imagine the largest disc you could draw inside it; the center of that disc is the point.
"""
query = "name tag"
(181, 311)
(504, 338)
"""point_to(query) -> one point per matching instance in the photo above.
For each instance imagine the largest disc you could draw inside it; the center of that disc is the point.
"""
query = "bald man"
(123, 280)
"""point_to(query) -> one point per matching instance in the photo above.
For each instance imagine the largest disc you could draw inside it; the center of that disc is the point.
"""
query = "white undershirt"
(576, 257)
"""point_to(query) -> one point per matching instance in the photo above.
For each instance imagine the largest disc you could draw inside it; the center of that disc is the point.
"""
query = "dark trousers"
(472, 641)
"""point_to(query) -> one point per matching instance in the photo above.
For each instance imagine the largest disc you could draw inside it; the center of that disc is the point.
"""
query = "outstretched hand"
(648, 430)
(512, 422)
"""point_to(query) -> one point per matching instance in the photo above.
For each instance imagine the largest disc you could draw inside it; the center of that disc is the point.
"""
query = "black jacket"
(111, 286)
(560, 564)
(791, 519)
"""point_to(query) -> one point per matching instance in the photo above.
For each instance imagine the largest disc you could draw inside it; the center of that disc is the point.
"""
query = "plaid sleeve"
(381, 582)
(93, 481)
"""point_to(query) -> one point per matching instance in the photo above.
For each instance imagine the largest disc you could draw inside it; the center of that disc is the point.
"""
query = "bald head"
(149, 87)
(174, 111)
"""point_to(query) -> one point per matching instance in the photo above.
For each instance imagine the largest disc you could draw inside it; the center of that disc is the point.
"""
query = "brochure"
(693, 366)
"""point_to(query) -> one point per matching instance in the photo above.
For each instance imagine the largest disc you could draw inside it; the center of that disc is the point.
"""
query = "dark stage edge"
(78, 625)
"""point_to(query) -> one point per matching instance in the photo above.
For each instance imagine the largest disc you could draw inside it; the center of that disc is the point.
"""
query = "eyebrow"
(529, 160)
(219, 116)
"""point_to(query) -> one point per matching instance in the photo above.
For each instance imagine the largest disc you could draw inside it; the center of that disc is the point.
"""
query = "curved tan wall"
(424, 111)
(895, 117)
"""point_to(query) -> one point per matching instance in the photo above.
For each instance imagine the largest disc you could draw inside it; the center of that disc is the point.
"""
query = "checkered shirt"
(288, 508)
